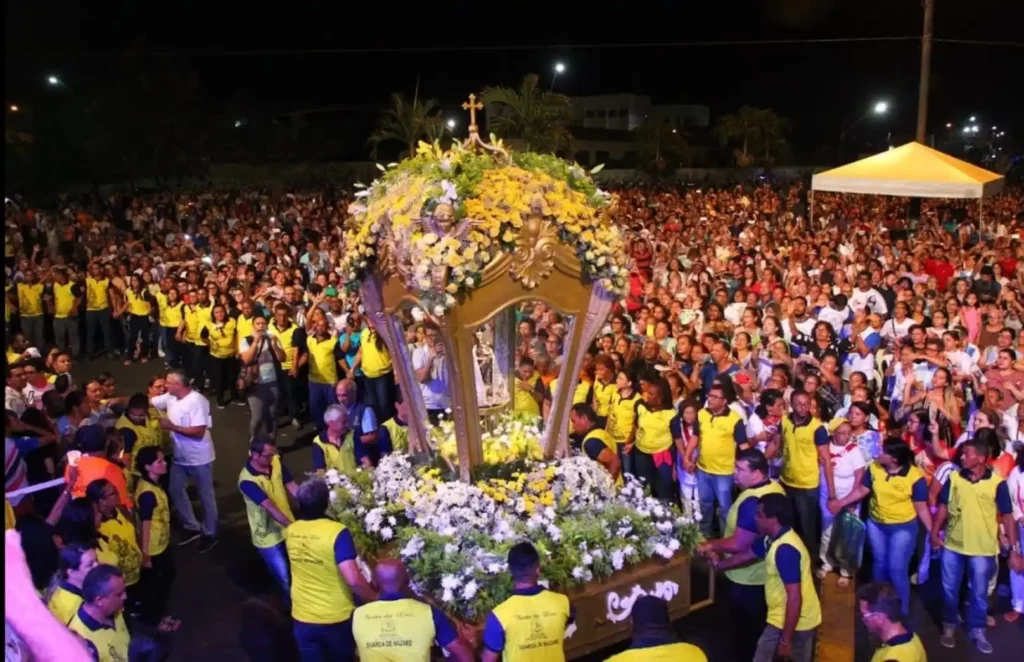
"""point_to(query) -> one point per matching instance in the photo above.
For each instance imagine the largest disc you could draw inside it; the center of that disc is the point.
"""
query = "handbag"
(847, 543)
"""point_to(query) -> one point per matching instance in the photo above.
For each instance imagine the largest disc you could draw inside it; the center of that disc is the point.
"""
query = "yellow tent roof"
(912, 170)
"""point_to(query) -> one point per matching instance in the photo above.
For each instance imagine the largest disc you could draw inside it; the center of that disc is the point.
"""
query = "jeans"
(979, 570)
(276, 558)
(380, 394)
(626, 460)
(1017, 581)
(320, 643)
(827, 520)
(749, 610)
(321, 396)
(97, 322)
(892, 545)
(32, 327)
(65, 334)
(203, 475)
(289, 393)
(172, 348)
(711, 489)
(806, 515)
(263, 400)
(155, 584)
(138, 332)
(802, 645)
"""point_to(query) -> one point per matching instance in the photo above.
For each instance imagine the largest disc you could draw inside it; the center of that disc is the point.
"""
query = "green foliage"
(539, 117)
(405, 121)
(756, 130)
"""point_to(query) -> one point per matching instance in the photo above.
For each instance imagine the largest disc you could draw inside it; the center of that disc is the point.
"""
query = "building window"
(589, 114)
(623, 112)
(602, 156)
(601, 113)
(583, 158)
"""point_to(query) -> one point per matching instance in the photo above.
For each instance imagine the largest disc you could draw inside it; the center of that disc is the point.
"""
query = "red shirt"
(941, 270)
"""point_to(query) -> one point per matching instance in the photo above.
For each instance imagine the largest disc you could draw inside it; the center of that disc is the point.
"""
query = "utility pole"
(926, 70)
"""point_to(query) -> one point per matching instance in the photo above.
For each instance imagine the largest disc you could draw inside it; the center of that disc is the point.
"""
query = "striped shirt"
(15, 473)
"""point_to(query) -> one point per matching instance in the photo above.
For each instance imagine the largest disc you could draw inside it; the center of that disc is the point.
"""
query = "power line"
(982, 42)
(482, 47)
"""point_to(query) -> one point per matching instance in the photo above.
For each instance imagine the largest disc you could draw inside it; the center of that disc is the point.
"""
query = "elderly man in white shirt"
(188, 420)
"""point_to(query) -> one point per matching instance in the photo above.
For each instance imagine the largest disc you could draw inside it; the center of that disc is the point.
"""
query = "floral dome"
(438, 220)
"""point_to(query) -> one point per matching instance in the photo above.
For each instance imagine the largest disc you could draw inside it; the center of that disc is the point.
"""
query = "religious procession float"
(466, 235)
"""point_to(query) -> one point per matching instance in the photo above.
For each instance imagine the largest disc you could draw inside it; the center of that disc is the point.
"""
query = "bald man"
(397, 627)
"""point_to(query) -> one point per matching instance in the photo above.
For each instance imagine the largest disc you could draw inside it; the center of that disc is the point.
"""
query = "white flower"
(386, 533)
(413, 547)
(470, 589)
(438, 310)
(543, 583)
(554, 532)
(618, 560)
(587, 559)
(392, 521)
(333, 496)
(674, 545)
(494, 568)
(469, 281)
(451, 548)
(448, 595)
(450, 582)
(663, 551)
(578, 573)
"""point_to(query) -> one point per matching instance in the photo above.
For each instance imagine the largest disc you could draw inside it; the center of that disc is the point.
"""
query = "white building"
(625, 112)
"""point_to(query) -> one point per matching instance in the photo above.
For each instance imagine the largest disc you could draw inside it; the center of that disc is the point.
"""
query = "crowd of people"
(796, 379)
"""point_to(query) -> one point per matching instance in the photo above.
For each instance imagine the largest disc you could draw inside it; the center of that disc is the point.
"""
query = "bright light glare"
(974, 129)
(451, 124)
(559, 67)
(967, 129)
(238, 124)
(14, 108)
(881, 107)
(949, 125)
(973, 118)
(53, 80)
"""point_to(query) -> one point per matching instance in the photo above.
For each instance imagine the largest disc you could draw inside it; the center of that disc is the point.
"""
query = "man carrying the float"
(597, 444)
(746, 584)
(531, 624)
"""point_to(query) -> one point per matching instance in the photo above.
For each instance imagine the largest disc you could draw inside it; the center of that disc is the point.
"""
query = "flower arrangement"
(458, 209)
(454, 537)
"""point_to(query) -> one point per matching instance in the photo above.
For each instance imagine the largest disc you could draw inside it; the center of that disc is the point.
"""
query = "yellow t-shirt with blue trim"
(719, 436)
(893, 495)
(120, 539)
(256, 487)
(800, 443)
(787, 561)
(529, 626)
(653, 429)
(319, 593)
(902, 648)
(105, 643)
(974, 508)
(397, 628)
(64, 602)
(376, 362)
(674, 652)
(745, 508)
(622, 417)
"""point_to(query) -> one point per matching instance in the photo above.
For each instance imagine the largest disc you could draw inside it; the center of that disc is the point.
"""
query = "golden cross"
(472, 106)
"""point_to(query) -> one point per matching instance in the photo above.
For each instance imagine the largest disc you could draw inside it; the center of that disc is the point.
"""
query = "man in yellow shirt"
(99, 621)
(325, 578)
(67, 296)
(654, 640)
(30, 308)
(880, 609)
(794, 612)
(531, 624)
(97, 309)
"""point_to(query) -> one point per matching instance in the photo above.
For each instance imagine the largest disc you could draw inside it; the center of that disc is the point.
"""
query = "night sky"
(244, 52)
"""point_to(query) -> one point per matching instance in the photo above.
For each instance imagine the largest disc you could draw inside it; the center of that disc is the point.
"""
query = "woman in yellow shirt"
(172, 311)
(222, 366)
(138, 304)
(64, 595)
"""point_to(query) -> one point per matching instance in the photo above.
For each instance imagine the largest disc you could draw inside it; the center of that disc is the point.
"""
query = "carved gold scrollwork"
(535, 252)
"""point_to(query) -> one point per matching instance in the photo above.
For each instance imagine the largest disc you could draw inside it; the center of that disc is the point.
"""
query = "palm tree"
(538, 117)
(405, 121)
(741, 127)
(658, 141)
(770, 127)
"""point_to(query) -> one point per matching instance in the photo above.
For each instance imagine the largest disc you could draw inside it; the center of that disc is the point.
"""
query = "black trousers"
(155, 587)
(748, 610)
(138, 332)
(222, 374)
(197, 364)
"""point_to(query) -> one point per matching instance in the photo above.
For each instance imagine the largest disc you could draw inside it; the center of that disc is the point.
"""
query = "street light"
(559, 69)
(53, 80)
(881, 107)
(14, 108)
(973, 118)
(949, 125)
(238, 124)
(974, 129)
(451, 124)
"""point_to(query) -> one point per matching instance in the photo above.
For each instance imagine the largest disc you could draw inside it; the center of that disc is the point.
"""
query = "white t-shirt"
(871, 300)
(899, 330)
(435, 390)
(192, 410)
(846, 460)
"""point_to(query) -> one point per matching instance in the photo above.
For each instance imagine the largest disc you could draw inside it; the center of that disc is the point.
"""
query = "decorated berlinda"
(465, 235)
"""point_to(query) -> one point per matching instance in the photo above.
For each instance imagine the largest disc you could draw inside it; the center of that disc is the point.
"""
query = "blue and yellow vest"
(286, 338)
(908, 648)
(121, 542)
(97, 296)
(389, 630)
(320, 595)
(973, 525)
(800, 467)
(399, 435)
(623, 417)
(109, 644)
(605, 439)
(376, 362)
(265, 530)
(664, 653)
(775, 589)
(323, 368)
(534, 626)
(604, 396)
(341, 458)
(63, 300)
(64, 602)
(523, 401)
(160, 524)
(753, 574)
